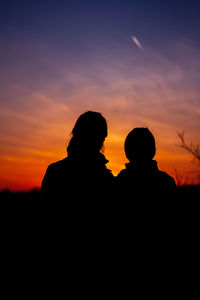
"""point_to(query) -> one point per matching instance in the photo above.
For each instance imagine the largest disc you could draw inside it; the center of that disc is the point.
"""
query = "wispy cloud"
(50, 101)
(159, 90)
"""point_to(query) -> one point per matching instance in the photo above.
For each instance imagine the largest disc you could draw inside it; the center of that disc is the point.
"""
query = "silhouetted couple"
(85, 206)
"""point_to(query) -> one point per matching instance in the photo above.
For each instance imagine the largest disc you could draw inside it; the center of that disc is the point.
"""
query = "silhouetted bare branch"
(191, 148)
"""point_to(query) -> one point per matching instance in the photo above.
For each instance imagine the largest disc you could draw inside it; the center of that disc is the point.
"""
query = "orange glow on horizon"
(25, 172)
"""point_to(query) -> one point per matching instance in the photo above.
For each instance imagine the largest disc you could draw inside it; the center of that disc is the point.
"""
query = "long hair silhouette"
(88, 134)
(75, 196)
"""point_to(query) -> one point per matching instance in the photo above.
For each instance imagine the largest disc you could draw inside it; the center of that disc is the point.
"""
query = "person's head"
(88, 134)
(140, 145)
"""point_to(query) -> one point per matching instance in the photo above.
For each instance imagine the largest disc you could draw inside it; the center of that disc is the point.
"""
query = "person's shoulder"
(166, 178)
(102, 161)
(128, 172)
(52, 174)
(58, 165)
(109, 173)
(122, 174)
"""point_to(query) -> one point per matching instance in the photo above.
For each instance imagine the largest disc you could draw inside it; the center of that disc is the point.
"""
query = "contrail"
(135, 40)
(43, 98)
(51, 101)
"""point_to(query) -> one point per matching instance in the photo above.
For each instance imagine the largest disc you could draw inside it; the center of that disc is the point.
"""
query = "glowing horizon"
(68, 59)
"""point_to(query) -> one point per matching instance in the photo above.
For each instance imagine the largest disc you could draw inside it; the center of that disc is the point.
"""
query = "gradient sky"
(136, 62)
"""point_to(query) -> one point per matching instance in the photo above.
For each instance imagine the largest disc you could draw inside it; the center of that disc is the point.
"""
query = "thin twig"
(193, 149)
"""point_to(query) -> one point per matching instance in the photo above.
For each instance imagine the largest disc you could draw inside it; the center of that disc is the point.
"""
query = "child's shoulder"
(121, 175)
(166, 178)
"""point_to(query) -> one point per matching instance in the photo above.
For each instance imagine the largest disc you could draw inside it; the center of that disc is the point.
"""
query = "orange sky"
(25, 154)
(41, 96)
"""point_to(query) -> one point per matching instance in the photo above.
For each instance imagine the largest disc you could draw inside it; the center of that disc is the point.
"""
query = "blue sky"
(80, 24)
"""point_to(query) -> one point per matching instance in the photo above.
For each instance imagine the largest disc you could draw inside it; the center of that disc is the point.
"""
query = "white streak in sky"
(138, 44)
(51, 101)
(44, 99)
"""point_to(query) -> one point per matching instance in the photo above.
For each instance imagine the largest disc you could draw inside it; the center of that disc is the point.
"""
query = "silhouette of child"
(142, 178)
(144, 211)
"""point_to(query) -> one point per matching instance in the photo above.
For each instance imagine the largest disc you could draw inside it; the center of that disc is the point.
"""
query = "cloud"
(156, 87)
(159, 90)
(50, 101)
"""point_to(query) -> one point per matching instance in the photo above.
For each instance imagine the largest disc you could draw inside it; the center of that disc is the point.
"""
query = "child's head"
(140, 145)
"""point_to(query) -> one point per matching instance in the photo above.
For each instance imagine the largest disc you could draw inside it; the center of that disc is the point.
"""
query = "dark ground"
(22, 235)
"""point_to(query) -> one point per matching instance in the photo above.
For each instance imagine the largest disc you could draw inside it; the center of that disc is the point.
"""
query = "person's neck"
(143, 164)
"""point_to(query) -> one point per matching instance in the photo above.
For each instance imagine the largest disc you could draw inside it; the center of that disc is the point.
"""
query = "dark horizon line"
(37, 189)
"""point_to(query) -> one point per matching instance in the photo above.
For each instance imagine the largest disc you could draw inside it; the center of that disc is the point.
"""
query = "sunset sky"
(136, 62)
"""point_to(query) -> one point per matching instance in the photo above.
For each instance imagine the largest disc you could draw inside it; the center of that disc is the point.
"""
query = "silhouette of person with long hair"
(84, 170)
(74, 190)
(142, 178)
